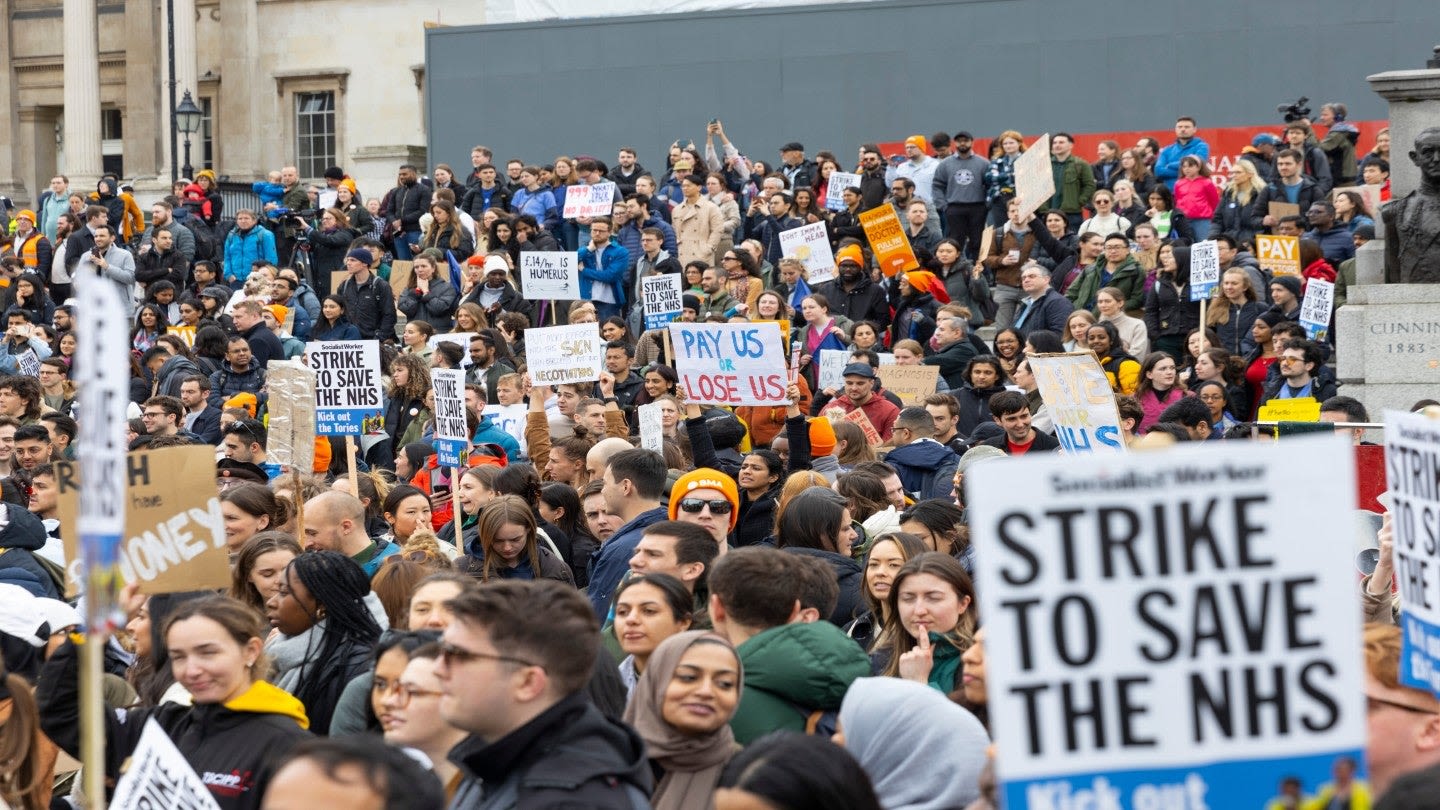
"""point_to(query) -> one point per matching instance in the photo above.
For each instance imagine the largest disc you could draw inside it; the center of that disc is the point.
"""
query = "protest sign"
(509, 418)
(173, 537)
(1298, 409)
(811, 245)
(1204, 269)
(1412, 455)
(461, 339)
(661, 296)
(547, 275)
(832, 364)
(987, 238)
(1370, 194)
(28, 363)
(1280, 210)
(910, 383)
(452, 433)
(728, 363)
(1278, 254)
(185, 333)
(1155, 636)
(1034, 182)
(1080, 401)
(872, 436)
(291, 407)
(565, 354)
(784, 331)
(888, 240)
(1316, 308)
(160, 776)
(596, 200)
(652, 430)
(835, 189)
(348, 399)
(402, 273)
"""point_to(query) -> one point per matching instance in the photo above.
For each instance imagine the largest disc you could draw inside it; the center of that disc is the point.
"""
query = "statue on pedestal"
(1412, 222)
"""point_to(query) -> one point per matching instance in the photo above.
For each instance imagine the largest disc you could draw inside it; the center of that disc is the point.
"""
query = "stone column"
(187, 77)
(82, 93)
(147, 119)
(247, 97)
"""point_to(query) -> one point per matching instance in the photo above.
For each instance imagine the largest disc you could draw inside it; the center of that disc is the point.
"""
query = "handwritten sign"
(835, 189)
(662, 297)
(461, 339)
(173, 538)
(1297, 409)
(888, 240)
(811, 245)
(912, 384)
(509, 418)
(348, 399)
(1316, 308)
(546, 275)
(730, 363)
(652, 428)
(160, 776)
(452, 429)
(832, 364)
(565, 354)
(1278, 254)
(1155, 637)
(1280, 210)
(589, 201)
(291, 407)
(1204, 269)
(1081, 403)
(858, 417)
(1034, 182)
(1412, 447)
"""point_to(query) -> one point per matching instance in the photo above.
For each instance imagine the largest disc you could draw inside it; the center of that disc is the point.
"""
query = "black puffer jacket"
(849, 575)
(22, 536)
(757, 518)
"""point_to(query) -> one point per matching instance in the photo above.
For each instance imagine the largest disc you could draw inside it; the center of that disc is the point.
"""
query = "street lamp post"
(187, 120)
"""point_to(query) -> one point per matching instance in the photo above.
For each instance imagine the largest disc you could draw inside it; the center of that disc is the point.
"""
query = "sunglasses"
(695, 506)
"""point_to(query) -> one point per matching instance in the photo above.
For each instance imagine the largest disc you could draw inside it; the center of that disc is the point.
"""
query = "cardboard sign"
(1316, 308)
(1034, 182)
(402, 273)
(589, 201)
(811, 245)
(1204, 269)
(888, 240)
(291, 405)
(832, 364)
(160, 776)
(728, 363)
(1299, 409)
(661, 297)
(511, 419)
(348, 399)
(452, 431)
(1155, 636)
(461, 339)
(547, 275)
(102, 358)
(565, 354)
(987, 238)
(1278, 254)
(1081, 403)
(173, 538)
(912, 384)
(652, 429)
(835, 189)
(872, 436)
(1412, 454)
(1280, 210)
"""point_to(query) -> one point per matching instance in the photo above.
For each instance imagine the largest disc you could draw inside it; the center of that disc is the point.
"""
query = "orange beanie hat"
(706, 478)
(822, 436)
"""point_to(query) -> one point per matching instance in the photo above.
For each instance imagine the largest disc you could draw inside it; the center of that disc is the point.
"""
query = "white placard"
(652, 431)
(1080, 401)
(1412, 454)
(348, 396)
(662, 297)
(565, 354)
(29, 363)
(547, 275)
(1153, 628)
(1204, 269)
(160, 776)
(589, 201)
(1316, 308)
(461, 339)
(452, 431)
(811, 245)
(839, 181)
(1034, 182)
(511, 419)
(729, 363)
(832, 364)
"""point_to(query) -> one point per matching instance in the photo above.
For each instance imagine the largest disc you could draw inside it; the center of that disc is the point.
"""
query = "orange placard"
(888, 241)
(1278, 254)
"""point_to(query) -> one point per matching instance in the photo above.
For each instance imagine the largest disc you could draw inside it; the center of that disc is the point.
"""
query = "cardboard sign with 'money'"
(174, 537)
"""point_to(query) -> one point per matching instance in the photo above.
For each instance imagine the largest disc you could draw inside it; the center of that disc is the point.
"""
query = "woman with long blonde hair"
(1237, 216)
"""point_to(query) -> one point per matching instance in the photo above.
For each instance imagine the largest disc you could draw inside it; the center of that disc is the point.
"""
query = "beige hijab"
(692, 765)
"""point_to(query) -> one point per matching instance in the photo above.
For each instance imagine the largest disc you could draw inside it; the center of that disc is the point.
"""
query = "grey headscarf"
(895, 728)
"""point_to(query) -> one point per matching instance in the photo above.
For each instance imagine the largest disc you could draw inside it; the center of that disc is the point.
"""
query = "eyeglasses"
(695, 506)
(152, 414)
(1292, 359)
(452, 655)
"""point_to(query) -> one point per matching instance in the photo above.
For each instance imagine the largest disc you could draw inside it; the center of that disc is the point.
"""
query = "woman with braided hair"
(327, 631)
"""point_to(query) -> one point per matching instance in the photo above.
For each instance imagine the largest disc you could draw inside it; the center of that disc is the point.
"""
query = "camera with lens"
(303, 213)
(1296, 111)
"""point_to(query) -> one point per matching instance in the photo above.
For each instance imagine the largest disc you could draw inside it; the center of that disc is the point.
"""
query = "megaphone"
(1366, 560)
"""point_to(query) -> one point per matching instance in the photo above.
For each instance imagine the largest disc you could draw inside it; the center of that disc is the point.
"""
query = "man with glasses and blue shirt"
(513, 667)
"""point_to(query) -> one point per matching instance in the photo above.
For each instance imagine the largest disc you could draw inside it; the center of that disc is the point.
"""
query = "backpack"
(55, 572)
(204, 240)
(819, 722)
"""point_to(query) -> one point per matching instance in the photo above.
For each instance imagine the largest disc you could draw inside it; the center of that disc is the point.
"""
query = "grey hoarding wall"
(836, 76)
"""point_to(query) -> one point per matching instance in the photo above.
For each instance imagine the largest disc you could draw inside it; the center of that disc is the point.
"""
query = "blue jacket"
(343, 330)
(614, 263)
(227, 382)
(610, 562)
(629, 238)
(1167, 164)
(488, 433)
(926, 469)
(1336, 244)
(540, 205)
(10, 363)
(241, 249)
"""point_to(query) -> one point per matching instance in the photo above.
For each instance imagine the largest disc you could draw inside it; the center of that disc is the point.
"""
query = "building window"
(315, 132)
(111, 125)
(207, 133)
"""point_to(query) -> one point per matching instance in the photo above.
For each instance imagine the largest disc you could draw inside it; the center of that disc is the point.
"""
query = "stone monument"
(1388, 335)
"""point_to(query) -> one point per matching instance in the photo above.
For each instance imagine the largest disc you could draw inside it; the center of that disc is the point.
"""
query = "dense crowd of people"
(770, 611)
